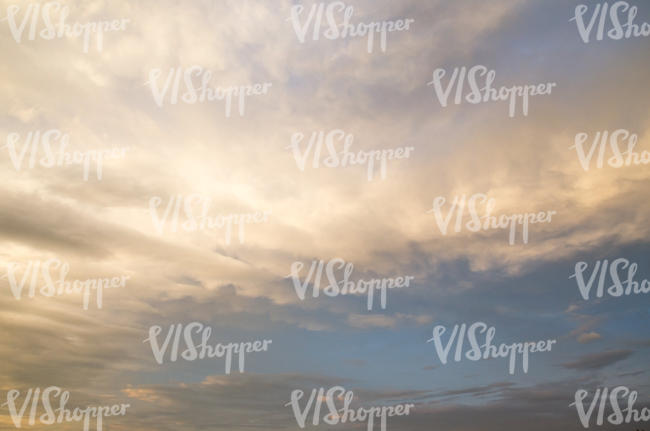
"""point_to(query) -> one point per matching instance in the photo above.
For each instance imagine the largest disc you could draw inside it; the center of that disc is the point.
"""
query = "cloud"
(217, 403)
(493, 388)
(588, 336)
(365, 321)
(382, 227)
(239, 401)
(599, 360)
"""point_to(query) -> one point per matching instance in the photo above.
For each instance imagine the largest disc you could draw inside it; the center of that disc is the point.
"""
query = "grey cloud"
(598, 360)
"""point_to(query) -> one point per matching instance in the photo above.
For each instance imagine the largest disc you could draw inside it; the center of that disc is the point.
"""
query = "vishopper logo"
(344, 286)
(341, 415)
(60, 414)
(614, 139)
(480, 75)
(59, 156)
(601, 397)
(36, 271)
(618, 288)
(487, 221)
(197, 83)
(189, 205)
(54, 16)
(337, 16)
(203, 349)
(620, 25)
(373, 159)
(486, 350)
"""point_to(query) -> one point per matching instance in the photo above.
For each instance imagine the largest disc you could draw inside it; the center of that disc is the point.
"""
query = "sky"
(244, 164)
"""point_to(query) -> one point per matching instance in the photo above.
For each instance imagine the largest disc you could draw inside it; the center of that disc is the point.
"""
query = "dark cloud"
(599, 360)
(480, 390)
